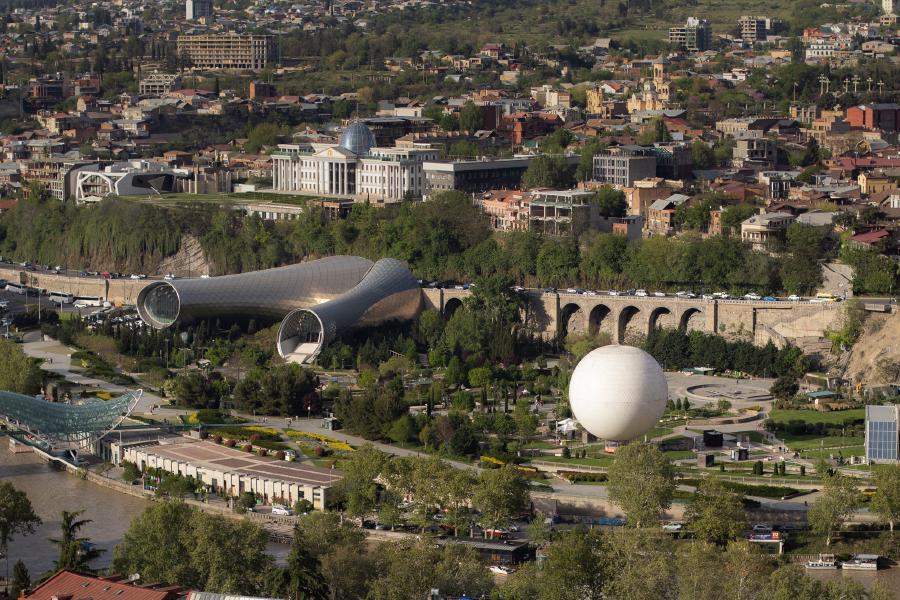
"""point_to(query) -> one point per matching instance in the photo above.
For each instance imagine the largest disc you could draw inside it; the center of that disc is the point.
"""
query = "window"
(881, 442)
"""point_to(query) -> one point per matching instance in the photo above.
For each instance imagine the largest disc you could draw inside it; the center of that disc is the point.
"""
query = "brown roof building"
(66, 585)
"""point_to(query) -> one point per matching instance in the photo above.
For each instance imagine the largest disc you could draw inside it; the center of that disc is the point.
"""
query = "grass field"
(811, 442)
(846, 451)
(658, 432)
(813, 416)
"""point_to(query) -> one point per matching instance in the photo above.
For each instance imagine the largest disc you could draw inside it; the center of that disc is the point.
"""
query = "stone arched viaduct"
(624, 318)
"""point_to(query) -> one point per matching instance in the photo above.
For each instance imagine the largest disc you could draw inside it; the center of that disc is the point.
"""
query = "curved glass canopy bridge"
(66, 425)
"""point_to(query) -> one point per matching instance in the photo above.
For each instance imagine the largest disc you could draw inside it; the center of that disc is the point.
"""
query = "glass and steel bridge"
(66, 425)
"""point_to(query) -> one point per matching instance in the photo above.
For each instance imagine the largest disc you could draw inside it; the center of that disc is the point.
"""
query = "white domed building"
(618, 393)
(355, 168)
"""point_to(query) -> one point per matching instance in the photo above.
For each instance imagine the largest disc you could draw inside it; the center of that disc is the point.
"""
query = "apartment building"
(237, 51)
(57, 174)
(761, 229)
(198, 9)
(624, 165)
(159, 84)
(753, 147)
(754, 29)
(694, 36)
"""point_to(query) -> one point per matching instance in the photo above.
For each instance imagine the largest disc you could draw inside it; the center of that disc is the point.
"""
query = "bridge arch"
(629, 327)
(692, 320)
(599, 320)
(451, 306)
(572, 319)
(660, 317)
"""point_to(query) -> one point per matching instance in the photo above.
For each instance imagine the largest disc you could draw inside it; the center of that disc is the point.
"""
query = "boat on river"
(824, 562)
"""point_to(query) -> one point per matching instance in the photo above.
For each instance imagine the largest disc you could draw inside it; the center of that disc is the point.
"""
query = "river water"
(52, 492)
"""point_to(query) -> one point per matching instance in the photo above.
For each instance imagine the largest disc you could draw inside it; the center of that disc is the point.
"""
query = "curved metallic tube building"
(387, 292)
(271, 293)
(318, 300)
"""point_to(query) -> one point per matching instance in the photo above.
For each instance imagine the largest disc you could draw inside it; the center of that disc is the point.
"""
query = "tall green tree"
(21, 580)
(715, 514)
(18, 373)
(641, 483)
(176, 544)
(886, 501)
(358, 486)
(470, 117)
(17, 517)
(834, 505)
(75, 552)
(500, 495)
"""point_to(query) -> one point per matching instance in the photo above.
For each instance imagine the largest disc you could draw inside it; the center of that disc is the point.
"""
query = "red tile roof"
(66, 585)
(870, 237)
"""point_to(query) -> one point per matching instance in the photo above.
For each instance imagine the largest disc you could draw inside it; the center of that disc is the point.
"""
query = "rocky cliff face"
(189, 261)
(875, 357)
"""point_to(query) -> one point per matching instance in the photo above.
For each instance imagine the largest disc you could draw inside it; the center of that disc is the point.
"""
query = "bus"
(15, 288)
(87, 301)
(61, 298)
(826, 297)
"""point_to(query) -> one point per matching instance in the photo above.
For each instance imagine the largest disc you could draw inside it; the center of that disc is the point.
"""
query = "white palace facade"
(355, 168)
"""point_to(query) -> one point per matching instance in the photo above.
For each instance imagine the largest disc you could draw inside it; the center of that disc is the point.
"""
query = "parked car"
(752, 296)
(659, 294)
(641, 293)
(794, 298)
(674, 526)
(500, 570)
(770, 299)
(708, 297)
(614, 292)
(281, 510)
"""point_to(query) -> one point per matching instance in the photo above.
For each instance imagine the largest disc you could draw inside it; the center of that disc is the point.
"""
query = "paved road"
(57, 360)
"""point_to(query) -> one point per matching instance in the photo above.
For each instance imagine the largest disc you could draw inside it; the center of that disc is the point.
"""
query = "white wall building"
(354, 168)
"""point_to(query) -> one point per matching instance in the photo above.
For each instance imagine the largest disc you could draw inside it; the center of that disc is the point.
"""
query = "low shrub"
(230, 443)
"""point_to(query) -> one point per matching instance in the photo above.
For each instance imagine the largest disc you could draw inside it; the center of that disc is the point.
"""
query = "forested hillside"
(444, 239)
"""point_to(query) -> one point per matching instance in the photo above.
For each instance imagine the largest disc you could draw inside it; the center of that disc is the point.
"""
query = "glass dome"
(358, 138)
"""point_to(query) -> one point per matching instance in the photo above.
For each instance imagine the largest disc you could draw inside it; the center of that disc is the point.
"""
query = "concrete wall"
(117, 291)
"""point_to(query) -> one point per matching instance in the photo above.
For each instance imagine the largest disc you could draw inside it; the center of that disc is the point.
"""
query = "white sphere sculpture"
(618, 393)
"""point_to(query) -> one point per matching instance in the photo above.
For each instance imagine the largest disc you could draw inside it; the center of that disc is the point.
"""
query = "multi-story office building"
(754, 29)
(882, 433)
(694, 36)
(889, 7)
(624, 165)
(474, 176)
(227, 51)
(197, 9)
(159, 84)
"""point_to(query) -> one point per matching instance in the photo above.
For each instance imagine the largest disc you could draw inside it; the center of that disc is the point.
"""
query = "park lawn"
(587, 462)
(755, 436)
(812, 442)
(847, 451)
(658, 432)
(836, 417)
(679, 454)
(538, 445)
